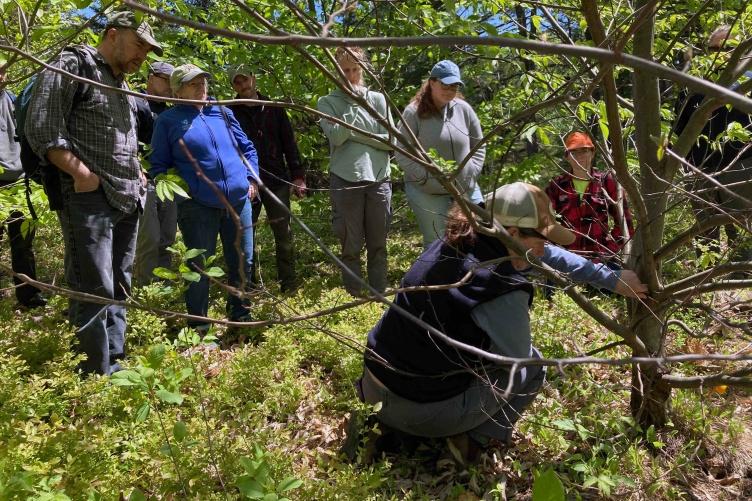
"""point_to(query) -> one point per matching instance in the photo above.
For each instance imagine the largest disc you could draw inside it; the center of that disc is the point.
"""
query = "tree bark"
(650, 396)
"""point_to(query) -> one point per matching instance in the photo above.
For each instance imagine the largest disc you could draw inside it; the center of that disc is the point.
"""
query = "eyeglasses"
(454, 86)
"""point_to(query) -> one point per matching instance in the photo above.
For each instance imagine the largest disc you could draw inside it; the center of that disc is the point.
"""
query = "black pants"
(21, 252)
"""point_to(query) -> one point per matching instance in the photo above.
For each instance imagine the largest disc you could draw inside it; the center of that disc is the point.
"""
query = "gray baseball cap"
(240, 69)
(185, 73)
(127, 19)
(161, 68)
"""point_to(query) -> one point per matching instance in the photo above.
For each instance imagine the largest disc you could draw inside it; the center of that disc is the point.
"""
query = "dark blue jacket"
(214, 139)
(442, 371)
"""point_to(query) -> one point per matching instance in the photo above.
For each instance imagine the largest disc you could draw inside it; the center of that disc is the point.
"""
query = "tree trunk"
(650, 396)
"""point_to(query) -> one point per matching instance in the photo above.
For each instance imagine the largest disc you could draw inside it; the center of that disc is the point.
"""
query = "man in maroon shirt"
(279, 166)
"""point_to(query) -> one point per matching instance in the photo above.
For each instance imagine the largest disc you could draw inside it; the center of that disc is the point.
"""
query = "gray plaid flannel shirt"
(100, 130)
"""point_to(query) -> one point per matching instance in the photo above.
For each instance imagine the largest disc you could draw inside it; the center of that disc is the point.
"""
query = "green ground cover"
(266, 420)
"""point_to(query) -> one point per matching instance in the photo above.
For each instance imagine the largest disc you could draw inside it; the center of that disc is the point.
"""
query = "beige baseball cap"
(526, 206)
(185, 73)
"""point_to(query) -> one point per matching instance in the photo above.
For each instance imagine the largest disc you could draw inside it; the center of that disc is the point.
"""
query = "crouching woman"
(431, 389)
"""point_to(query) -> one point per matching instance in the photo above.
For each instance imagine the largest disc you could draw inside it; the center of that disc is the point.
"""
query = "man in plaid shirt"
(92, 141)
(585, 198)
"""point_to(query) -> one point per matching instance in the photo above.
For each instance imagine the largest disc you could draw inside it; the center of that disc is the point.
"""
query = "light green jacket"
(353, 156)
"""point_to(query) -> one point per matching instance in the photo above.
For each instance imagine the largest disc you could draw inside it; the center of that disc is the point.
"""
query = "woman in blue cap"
(442, 120)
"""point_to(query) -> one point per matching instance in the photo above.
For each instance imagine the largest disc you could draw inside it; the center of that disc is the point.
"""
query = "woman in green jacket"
(358, 173)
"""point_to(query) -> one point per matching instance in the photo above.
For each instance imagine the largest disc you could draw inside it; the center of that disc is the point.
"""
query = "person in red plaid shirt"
(585, 198)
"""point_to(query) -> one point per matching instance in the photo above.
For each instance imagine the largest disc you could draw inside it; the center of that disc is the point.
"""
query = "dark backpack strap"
(86, 69)
(30, 205)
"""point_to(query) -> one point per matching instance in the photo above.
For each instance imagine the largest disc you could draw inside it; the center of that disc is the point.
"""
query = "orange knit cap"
(578, 139)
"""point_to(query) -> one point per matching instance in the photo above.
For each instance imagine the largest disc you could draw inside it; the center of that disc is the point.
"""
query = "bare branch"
(741, 102)
(684, 237)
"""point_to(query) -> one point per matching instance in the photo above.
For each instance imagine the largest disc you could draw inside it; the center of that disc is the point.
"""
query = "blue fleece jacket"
(215, 140)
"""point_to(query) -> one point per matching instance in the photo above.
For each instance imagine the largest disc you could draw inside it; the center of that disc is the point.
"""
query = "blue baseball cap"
(447, 72)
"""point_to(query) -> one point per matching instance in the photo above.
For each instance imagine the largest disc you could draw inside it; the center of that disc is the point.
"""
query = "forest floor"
(266, 419)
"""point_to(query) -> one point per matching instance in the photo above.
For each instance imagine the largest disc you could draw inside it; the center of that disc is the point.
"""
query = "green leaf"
(288, 484)
(156, 355)
(248, 465)
(191, 253)
(191, 276)
(548, 487)
(143, 412)
(169, 397)
(536, 22)
(137, 495)
(214, 271)
(604, 128)
(250, 487)
(176, 188)
(179, 431)
(564, 424)
(165, 273)
(126, 378)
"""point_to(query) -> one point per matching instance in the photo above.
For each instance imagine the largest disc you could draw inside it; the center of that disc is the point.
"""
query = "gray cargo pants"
(361, 213)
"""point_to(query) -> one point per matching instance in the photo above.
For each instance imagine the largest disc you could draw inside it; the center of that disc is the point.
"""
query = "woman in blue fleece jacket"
(207, 147)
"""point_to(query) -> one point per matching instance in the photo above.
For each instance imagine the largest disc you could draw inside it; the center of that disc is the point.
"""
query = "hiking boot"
(464, 449)
(35, 301)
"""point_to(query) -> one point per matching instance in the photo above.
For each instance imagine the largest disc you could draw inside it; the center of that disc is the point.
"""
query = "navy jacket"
(214, 139)
(442, 371)
(702, 155)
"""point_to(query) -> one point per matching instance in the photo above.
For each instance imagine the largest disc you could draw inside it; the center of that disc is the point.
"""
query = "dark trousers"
(279, 220)
(21, 237)
(100, 243)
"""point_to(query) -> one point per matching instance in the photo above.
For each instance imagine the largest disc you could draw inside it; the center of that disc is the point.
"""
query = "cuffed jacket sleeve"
(336, 133)
(468, 176)
(245, 145)
(579, 269)
(160, 159)
(353, 156)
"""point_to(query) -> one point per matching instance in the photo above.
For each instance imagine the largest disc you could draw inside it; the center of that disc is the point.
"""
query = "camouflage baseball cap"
(185, 73)
(127, 19)
(241, 69)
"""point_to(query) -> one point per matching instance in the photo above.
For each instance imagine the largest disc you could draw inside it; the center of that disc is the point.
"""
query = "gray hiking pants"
(480, 411)
(361, 213)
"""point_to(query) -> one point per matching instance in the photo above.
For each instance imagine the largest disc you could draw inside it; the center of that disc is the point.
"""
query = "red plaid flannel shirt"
(587, 215)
